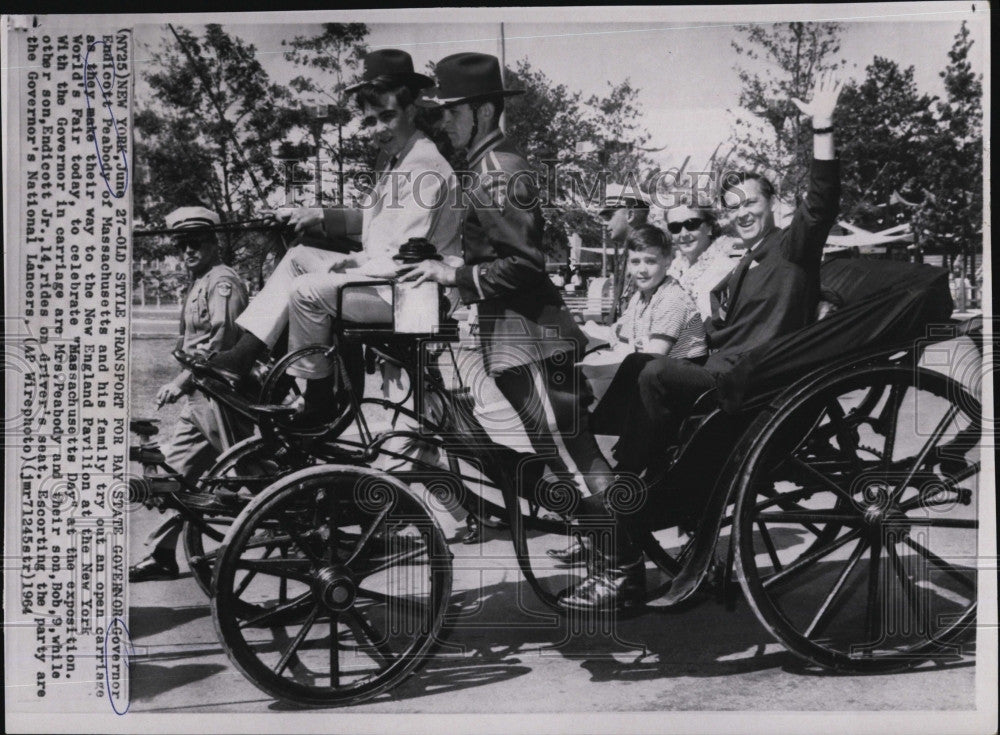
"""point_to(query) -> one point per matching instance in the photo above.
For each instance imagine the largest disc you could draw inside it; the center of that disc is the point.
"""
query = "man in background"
(208, 324)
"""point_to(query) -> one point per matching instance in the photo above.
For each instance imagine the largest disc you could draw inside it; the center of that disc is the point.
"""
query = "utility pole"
(503, 73)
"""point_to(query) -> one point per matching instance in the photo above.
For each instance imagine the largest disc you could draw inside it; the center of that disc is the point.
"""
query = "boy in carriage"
(414, 195)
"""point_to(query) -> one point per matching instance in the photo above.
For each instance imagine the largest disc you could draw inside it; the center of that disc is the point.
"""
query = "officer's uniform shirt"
(208, 321)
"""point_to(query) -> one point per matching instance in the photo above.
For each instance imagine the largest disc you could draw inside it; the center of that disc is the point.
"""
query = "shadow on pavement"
(150, 621)
(149, 680)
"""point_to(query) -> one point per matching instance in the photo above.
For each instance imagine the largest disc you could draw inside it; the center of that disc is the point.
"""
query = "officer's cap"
(618, 196)
(191, 218)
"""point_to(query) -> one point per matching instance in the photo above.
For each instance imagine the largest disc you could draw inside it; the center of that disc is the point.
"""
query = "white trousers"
(312, 305)
(267, 314)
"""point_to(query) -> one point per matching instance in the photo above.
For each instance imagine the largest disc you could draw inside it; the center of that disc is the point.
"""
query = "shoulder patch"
(225, 289)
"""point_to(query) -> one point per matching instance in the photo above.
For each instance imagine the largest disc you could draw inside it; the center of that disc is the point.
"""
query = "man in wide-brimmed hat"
(414, 196)
(530, 341)
(208, 323)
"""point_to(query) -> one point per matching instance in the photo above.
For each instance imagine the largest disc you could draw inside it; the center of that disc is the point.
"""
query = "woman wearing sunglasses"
(702, 254)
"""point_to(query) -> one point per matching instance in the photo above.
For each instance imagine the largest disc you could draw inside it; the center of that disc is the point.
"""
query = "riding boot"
(318, 405)
(616, 573)
(237, 362)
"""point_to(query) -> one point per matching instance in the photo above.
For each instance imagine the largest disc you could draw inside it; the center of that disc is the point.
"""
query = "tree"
(577, 147)
(884, 132)
(549, 123)
(620, 134)
(333, 58)
(788, 58)
(951, 214)
(207, 126)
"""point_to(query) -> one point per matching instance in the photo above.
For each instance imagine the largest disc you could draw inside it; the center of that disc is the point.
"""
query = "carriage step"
(146, 454)
(141, 489)
(144, 427)
(211, 503)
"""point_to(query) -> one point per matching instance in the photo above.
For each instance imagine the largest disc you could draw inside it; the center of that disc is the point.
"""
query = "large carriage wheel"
(856, 518)
(349, 577)
(250, 464)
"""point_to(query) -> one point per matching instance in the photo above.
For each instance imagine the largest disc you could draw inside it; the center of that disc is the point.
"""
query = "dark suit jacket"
(522, 317)
(774, 290)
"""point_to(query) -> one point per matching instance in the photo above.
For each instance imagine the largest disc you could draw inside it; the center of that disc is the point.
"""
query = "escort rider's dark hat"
(390, 66)
(466, 77)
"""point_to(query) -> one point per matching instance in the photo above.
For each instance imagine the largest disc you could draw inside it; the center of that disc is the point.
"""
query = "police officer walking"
(208, 324)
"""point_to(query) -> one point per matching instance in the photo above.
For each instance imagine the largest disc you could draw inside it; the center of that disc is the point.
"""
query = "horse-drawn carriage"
(834, 474)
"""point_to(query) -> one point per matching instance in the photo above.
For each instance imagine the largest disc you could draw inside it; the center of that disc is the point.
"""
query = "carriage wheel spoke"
(910, 589)
(297, 641)
(279, 612)
(368, 636)
(783, 499)
(823, 479)
(769, 545)
(872, 617)
(391, 561)
(250, 575)
(967, 523)
(928, 446)
(936, 561)
(283, 568)
(809, 559)
(331, 524)
(283, 580)
(334, 650)
(826, 610)
(891, 413)
(800, 517)
(299, 541)
(209, 530)
(405, 604)
(271, 542)
(365, 541)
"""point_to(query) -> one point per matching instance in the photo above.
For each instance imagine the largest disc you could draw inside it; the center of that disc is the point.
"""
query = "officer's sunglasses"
(191, 243)
(689, 224)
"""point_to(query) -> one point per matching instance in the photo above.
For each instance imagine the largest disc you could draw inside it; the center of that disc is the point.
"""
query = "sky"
(681, 59)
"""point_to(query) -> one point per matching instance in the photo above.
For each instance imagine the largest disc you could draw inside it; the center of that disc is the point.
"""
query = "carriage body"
(842, 498)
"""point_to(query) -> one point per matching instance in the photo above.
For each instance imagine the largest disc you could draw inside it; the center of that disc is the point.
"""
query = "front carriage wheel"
(332, 586)
(856, 519)
(248, 464)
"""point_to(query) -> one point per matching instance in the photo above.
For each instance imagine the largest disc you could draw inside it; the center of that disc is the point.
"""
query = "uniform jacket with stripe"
(522, 317)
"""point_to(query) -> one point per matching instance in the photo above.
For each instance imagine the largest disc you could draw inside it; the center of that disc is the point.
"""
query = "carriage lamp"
(416, 310)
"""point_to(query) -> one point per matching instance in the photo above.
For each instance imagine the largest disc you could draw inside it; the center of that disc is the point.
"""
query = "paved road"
(501, 659)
